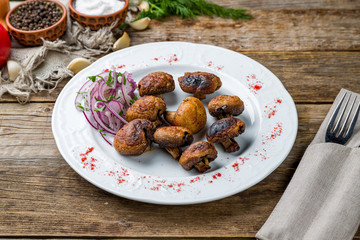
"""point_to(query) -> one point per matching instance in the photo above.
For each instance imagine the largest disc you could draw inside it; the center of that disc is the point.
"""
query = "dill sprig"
(160, 9)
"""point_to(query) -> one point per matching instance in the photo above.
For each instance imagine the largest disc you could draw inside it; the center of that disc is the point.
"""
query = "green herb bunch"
(160, 9)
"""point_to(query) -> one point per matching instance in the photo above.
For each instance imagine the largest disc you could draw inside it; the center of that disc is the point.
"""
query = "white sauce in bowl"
(98, 7)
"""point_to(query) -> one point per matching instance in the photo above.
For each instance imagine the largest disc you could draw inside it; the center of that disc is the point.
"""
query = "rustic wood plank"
(56, 201)
(290, 4)
(270, 30)
(308, 76)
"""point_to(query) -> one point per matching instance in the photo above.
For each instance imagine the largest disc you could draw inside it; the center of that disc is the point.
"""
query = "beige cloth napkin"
(44, 67)
(322, 201)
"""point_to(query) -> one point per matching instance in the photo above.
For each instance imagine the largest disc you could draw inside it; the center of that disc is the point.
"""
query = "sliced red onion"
(104, 103)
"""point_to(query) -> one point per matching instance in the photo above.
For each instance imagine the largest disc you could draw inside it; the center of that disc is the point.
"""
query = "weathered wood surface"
(270, 30)
(308, 76)
(41, 195)
(290, 4)
(312, 46)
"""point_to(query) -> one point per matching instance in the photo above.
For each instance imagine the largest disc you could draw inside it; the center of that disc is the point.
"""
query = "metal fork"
(339, 130)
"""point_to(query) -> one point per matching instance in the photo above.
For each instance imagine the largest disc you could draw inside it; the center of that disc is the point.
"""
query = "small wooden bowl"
(95, 22)
(33, 37)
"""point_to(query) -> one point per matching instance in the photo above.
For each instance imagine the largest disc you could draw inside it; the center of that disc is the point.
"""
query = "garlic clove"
(14, 69)
(78, 64)
(144, 6)
(122, 42)
(140, 24)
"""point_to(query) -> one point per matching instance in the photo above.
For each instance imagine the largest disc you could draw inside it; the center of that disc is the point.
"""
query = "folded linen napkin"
(322, 201)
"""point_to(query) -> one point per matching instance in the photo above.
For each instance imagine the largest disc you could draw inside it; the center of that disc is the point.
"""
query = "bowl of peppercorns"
(33, 20)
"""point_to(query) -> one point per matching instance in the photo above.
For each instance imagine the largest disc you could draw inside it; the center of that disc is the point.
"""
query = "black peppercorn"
(36, 15)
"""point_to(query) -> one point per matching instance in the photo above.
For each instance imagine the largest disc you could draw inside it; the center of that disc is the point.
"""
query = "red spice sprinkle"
(89, 150)
(170, 185)
(272, 110)
(215, 176)
(121, 66)
(195, 179)
(92, 166)
(156, 59)
(172, 58)
(236, 166)
(275, 133)
(154, 188)
(106, 70)
(257, 87)
(210, 63)
(84, 159)
(210, 181)
(219, 68)
(254, 84)
(243, 159)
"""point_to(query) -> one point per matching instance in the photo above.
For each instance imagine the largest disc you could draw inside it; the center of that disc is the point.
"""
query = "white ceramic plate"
(154, 177)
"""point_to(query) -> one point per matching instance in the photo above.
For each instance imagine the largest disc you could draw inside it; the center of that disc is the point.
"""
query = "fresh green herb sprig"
(160, 9)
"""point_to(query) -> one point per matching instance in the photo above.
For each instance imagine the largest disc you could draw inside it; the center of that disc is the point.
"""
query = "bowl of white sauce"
(98, 13)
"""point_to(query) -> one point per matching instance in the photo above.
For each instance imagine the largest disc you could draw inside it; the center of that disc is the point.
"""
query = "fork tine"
(353, 121)
(343, 128)
(337, 125)
(334, 115)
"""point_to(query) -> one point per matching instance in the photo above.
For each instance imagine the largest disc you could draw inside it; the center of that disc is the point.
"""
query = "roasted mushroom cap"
(190, 114)
(147, 107)
(172, 138)
(198, 155)
(199, 83)
(134, 138)
(156, 83)
(224, 130)
(224, 106)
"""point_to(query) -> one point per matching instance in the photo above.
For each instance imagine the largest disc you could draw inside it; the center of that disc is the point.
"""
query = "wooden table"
(312, 46)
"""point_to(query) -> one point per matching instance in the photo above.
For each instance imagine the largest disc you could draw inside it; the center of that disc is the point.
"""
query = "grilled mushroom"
(134, 138)
(198, 155)
(156, 83)
(147, 107)
(199, 83)
(172, 138)
(190, 114)
(224, 106)
(224, 131)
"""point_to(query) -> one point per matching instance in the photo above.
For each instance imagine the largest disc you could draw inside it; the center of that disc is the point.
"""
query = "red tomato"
(5, 45)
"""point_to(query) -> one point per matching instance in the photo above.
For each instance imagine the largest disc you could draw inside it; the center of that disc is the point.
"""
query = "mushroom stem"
(170, 116)
(230, 145)
(225, 116)
(174, 152)
(200, 96)
(203, 166)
